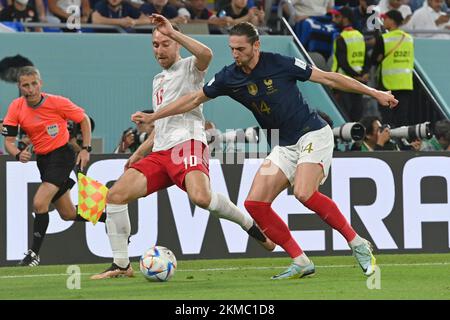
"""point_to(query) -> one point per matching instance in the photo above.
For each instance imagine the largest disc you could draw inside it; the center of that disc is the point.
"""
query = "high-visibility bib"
(397, 66)
(356, 51)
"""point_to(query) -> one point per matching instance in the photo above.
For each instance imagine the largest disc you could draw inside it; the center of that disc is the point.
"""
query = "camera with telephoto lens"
(350, 131)
(413, 132)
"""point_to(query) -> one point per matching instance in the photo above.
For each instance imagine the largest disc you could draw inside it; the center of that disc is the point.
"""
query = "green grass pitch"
(411, 276)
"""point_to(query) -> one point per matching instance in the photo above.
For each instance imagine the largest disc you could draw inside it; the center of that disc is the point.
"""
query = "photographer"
(441, 138)
(133, 138)
(377, 136)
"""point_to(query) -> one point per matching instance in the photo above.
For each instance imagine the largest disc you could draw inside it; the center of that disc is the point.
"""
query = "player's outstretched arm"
(202, 53)
(181, 105)
(344, 83)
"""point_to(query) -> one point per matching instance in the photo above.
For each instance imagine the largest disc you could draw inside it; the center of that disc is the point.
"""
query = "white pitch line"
(242, 268)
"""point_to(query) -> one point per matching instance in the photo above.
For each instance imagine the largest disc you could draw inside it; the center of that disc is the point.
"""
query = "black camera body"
(138, 138)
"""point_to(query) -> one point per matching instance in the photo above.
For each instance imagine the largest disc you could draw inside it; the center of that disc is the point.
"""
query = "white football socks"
(222, 207)
(302, 260)
(118, 229)
(356, 241)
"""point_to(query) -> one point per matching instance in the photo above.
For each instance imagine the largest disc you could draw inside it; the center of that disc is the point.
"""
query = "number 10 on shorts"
(190, 162)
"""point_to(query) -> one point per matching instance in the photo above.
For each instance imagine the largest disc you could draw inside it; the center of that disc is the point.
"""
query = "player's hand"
(386, 99)
(162, 24)
(25, 155)
(139, 117)
(83, 159)
(135, 157)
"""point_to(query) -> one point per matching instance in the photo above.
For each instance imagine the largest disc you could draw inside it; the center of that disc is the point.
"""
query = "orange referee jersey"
(46, 124)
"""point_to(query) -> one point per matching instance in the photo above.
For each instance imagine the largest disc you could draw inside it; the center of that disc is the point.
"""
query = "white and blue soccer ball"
(158, 264)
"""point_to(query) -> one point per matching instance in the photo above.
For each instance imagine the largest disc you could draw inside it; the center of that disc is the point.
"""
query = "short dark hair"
(245, 29)
(442, 129)
(395, 16)
(367, 122)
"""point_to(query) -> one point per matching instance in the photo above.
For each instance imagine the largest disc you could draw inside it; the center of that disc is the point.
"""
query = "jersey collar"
(43, 98)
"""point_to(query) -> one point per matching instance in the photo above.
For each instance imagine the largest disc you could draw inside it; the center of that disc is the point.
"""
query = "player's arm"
(344, 83)
(202, 53)
(144, 149)
(181, 105)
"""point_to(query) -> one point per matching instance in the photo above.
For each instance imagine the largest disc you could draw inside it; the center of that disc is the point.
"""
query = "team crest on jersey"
(252, 89)
(269, 86)
(52, 130)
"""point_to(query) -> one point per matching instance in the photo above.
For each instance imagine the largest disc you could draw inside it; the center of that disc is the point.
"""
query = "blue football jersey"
(270, 92)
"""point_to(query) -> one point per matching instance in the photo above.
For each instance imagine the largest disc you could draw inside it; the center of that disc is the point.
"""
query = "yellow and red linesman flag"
(91, 198)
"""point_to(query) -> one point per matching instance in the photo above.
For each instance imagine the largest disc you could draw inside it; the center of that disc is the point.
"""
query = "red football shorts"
(168, 167)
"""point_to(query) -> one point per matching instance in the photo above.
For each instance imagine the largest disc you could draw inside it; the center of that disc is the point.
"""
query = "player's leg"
(197, 186)
(144, 177)
(130, 186)
(41, 203)
(269, 181)
(313, 166)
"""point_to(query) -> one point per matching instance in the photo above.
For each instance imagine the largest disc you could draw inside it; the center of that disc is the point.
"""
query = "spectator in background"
(441, 138)
(199, 13)
(20, 11)
(361, 16)
(349, 3)
(38, 5)
(62, 9)
(404, 9)
(394, 54)
(163, 8)
(177, 3)
(309, 8)
(430, 17)
(349, 58)
(238, 10)
(132, 138)
(119, 13)
(377, 137)
(220, 4)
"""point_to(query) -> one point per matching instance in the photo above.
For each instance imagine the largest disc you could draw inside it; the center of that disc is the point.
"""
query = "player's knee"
(200, 199)
(40, 205)
(67, 218)
(116, 197)
(303, 195)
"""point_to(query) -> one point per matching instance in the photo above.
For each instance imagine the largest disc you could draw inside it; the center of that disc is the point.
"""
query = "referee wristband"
(18, 156)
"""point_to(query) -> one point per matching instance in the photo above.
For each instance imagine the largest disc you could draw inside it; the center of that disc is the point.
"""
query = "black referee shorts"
(55, 168)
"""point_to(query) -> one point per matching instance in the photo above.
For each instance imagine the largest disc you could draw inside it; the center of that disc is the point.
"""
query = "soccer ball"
(158, 264)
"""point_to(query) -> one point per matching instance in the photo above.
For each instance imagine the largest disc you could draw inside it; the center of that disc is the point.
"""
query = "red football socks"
(327, 209)
(273, 226)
